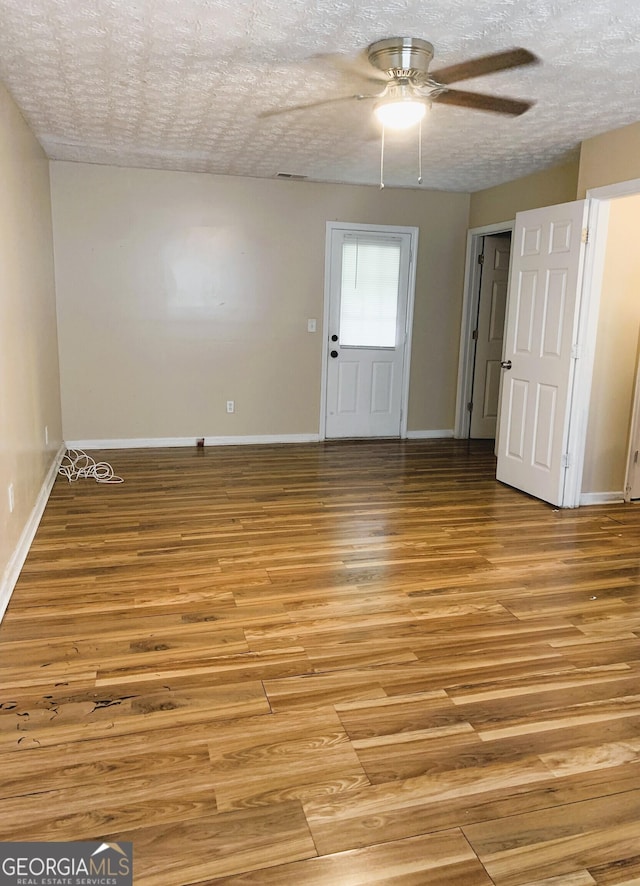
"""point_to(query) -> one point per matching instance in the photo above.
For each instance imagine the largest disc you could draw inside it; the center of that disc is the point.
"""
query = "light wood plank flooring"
(343, 663)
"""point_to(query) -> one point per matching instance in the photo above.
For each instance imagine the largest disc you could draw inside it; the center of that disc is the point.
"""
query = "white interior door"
(368, 290)
(489, 332)
(540, 349)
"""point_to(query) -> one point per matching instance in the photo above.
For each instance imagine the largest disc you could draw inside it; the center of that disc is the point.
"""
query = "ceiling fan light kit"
(401, 108)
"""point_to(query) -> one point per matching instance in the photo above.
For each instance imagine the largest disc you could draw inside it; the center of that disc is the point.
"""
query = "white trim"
(620, 189)
(156, 442)
(430, 435)
(634, 434)
(411, 300)
(601, 498)
(465, 359)
(322, 423)
(471, 296)
(406, 364)
(593, 270)
(16, 561)
(496, 228)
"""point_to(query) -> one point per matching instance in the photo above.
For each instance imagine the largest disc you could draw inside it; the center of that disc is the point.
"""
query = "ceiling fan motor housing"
(401, 56)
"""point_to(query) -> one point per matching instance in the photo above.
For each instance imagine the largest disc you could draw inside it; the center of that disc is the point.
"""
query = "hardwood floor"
(345, 663)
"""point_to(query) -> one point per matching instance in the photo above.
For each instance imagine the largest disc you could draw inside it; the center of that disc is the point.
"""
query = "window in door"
(369, 292)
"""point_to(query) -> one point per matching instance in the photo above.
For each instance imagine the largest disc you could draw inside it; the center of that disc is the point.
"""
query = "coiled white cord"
(76, 464)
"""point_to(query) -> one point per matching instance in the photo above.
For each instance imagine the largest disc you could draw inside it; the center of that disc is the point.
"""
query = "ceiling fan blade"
(324, 101)
(486, 64)
(358, 66)
(481, 102)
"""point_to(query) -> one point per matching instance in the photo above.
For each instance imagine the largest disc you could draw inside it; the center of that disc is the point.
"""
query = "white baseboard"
(155, 442)
(248, 440)
(16, 562)
(429, 435)
(601, 498)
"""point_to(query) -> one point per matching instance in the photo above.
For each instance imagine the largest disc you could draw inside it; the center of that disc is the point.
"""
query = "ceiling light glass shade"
(400, 113)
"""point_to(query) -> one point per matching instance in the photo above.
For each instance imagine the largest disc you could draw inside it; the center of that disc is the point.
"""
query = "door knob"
(506, 364)
(334, 354)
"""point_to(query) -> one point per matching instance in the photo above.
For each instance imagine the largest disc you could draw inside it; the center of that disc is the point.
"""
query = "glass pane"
(369, 294)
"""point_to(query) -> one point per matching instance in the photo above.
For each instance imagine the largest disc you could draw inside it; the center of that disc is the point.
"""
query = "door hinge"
(566, 460)
(469, 407)
(481, 259)
(474, 335)
(585, 235)
(576, 352)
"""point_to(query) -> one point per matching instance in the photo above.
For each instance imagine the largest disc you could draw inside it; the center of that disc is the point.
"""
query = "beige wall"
(178, 292)
(499, 204)
(29, 381)
(609, 158)
(616, 353)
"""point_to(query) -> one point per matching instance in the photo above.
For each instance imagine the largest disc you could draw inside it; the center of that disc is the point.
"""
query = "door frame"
(634, 437)
(470, 301)
(608, 193)
(413, 247)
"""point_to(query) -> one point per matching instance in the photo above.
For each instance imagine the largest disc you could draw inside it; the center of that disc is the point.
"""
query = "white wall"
(29, 378)
(178, 292)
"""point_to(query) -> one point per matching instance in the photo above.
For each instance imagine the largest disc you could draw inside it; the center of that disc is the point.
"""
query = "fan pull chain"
(382, 160)
(420, 154)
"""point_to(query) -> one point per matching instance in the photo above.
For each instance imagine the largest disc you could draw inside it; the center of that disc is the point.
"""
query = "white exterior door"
(368, 318)
(540, 349)
(489, 332)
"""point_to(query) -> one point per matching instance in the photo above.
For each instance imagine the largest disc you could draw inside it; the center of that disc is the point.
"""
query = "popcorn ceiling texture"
(179, 84)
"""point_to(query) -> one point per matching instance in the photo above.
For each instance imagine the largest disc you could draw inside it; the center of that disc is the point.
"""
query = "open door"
(541, 349)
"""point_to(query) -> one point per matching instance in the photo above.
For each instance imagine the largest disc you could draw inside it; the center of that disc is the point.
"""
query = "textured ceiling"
(179, 84)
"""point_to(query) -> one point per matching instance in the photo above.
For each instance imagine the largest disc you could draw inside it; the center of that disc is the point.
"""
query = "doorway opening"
(488, 336)
(483, 320)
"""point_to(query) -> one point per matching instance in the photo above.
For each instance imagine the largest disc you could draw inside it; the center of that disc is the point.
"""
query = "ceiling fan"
(402, 63)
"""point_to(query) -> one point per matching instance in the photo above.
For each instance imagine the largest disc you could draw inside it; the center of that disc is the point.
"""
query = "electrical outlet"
(231, 405)
(11, 498)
